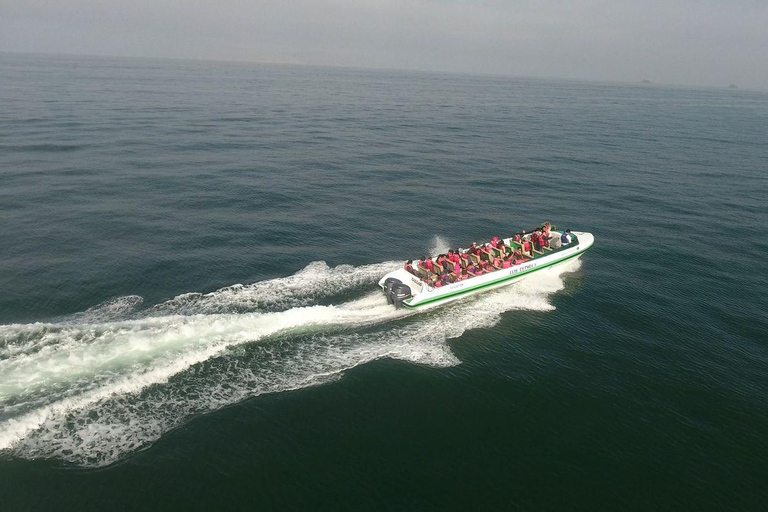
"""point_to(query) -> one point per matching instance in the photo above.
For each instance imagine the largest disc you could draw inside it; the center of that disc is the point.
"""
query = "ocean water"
(189, 318)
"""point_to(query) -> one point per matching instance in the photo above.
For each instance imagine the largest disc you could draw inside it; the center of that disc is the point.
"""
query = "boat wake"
(95, 387)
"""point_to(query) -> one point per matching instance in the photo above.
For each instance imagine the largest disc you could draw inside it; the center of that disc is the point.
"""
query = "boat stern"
(399, 286)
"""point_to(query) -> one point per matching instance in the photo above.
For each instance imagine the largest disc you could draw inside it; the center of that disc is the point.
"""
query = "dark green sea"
(189, 318)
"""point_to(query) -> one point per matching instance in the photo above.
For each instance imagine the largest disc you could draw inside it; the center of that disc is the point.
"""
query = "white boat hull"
(423, 295)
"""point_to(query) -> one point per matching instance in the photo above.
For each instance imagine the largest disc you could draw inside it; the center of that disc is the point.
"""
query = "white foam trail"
(113, 309)
(96, 392)
(315, 281)
(154, 349)
(439, 246)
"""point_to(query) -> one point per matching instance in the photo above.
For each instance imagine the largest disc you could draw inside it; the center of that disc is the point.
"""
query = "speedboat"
(407, 289)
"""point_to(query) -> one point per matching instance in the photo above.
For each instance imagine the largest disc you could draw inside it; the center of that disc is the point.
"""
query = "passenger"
(453, 256)
(497, 262)
(540, 239)
(463, 275)
(517, 237)
(473, 270)
(486, 266)
(545, 230)
(500, 245)
(526, 250)
(507, 262)
(409, 267)
(429, 265)
(566, 237)
(421, 268)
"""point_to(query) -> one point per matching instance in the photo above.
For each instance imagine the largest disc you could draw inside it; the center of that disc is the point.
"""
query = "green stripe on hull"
(492, 283)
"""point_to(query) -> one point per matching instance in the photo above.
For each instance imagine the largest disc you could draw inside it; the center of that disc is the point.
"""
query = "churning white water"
(101, 384)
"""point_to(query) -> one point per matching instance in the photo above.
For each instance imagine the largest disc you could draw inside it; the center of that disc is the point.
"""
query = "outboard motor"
(399, 293)
(389, 283)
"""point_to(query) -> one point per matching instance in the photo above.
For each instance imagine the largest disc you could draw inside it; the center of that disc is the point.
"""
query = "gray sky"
(696, 42)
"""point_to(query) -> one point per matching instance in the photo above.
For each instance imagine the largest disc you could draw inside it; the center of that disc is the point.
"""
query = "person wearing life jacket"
(428, 264)
(453, 256)
(421, 269)
(463, 275)
(545, 230)
(517, 237)
(409, 267)
(565, 238)
(496, 262)
(526, 251)
(507, 262)
(488, 251)
(474, 270)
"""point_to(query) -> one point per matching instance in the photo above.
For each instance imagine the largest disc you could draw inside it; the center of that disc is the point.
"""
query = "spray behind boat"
(396, 291)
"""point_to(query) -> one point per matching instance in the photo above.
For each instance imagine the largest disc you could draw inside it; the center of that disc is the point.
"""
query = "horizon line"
(643, 82)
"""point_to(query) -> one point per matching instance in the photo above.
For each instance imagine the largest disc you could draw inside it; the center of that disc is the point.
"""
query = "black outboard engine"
(399, 293)
(388, 284)
(396, 291)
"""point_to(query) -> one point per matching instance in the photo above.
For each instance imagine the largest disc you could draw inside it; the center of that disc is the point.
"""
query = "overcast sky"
(695, 42)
